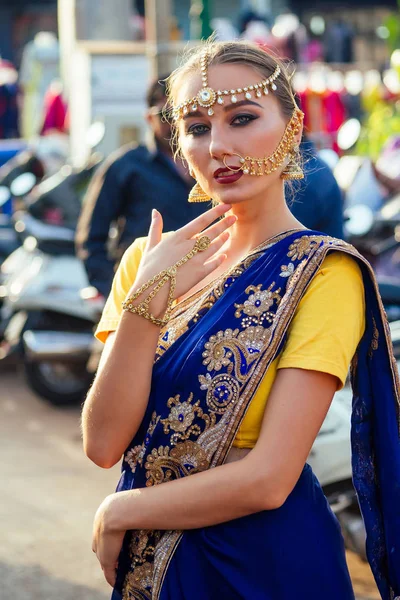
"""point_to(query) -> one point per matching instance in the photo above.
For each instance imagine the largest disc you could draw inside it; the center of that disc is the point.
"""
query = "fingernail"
(153, 213)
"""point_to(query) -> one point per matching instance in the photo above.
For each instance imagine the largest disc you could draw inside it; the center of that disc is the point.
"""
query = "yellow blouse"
(323, 335)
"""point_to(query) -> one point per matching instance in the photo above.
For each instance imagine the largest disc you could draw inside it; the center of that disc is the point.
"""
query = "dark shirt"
(318, 202)
(124, 190)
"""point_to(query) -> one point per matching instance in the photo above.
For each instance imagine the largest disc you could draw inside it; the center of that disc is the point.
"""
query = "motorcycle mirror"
(359, 220)
(329, 156)
(95, 134)
(4, 194)
(23, 184)
(348, 134)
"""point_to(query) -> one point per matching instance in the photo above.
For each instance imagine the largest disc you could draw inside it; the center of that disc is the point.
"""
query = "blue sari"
(210, 361)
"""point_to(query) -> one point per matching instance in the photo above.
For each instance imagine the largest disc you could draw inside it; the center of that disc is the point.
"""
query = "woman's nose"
(219, 145)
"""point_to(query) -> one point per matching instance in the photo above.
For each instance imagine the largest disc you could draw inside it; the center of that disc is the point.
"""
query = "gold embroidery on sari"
(219, 349)
(296, 286)
(139, 582)
(304, 245)
(375, 339)
(192, 308)
(162, 557)
(134, 456)
(181, 417)
(257, 305)
(254, 338)
(223, 391)
(164, 463)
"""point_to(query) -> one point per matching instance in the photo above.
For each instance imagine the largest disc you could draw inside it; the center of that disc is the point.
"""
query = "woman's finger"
(215, 230)
(200, 223)
(155, 231)
(213, 264)
(215, 245)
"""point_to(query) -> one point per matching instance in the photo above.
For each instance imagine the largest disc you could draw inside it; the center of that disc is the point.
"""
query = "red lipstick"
(226, 176)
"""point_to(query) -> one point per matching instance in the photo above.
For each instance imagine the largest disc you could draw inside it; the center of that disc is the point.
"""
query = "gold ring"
(202, 243)
(242, 160)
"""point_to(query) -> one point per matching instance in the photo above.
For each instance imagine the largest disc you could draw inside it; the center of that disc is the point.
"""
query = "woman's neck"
(258, 220)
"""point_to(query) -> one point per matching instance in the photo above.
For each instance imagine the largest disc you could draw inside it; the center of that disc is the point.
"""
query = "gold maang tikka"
(207, 96)
(268, 164)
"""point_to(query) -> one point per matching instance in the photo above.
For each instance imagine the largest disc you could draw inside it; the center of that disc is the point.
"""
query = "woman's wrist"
(122, 510)
(158, 304)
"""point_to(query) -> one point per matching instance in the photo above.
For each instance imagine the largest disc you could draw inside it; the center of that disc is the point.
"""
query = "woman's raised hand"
(162, 253)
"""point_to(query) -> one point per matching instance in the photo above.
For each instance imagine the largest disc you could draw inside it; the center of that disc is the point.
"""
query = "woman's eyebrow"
(241, 103)
(197, 113)
(193, 113)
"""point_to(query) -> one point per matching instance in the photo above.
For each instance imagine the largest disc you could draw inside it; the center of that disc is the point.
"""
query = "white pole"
(158, 24)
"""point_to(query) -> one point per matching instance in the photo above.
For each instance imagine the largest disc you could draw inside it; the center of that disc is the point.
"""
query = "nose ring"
(242, 161)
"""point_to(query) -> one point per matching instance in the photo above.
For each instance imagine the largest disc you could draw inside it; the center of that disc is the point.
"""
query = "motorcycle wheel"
(60, 383)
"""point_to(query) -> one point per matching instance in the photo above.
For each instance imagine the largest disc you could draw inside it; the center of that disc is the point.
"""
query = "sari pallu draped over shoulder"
(210, 361)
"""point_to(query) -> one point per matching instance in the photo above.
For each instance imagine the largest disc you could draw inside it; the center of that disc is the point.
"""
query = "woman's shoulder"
(339, 280)
(329, 320)
(340, 264)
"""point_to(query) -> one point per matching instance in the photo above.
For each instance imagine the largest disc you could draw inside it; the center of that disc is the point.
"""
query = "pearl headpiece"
(207, 97)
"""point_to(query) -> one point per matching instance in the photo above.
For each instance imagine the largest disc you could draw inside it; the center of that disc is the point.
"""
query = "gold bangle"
(142, 309)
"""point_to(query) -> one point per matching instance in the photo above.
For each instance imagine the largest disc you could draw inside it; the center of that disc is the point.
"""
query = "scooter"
(44, 322)
(46, 325)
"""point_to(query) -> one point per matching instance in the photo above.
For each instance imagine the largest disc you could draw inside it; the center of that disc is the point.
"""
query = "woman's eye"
(197, 129)
(243, 119)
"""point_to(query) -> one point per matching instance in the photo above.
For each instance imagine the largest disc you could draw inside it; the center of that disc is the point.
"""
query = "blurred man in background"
(134, 180)
(318, 201)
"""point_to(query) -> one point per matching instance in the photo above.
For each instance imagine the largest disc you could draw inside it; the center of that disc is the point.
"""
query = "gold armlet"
(142, 309)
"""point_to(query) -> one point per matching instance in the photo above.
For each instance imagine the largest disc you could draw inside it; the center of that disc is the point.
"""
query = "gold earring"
(293, 170)
(197, 194)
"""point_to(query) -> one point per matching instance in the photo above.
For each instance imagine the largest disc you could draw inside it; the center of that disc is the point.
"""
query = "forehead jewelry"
(207, 97)
(268, 164)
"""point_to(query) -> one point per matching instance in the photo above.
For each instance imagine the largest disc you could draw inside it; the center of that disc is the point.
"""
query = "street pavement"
(50, 492)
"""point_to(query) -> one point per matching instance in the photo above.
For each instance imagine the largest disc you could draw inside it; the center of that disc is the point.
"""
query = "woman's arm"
(296, 408)
(117, 401)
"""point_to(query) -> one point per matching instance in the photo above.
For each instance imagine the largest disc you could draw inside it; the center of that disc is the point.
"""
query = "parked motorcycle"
(44, 322)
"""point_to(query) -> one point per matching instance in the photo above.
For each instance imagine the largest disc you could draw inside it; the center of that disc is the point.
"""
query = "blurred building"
(20, 20)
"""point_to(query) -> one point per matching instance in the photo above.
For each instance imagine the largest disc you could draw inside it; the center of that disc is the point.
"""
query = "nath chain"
(267, 165)
(142, 309)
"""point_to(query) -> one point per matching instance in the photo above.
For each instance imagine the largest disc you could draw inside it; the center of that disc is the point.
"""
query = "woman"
(253, 321)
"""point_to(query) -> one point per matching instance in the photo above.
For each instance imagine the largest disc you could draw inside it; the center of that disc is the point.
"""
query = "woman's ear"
(148, 117)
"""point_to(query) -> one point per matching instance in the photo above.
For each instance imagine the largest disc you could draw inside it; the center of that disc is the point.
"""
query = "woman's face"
(249, 128)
